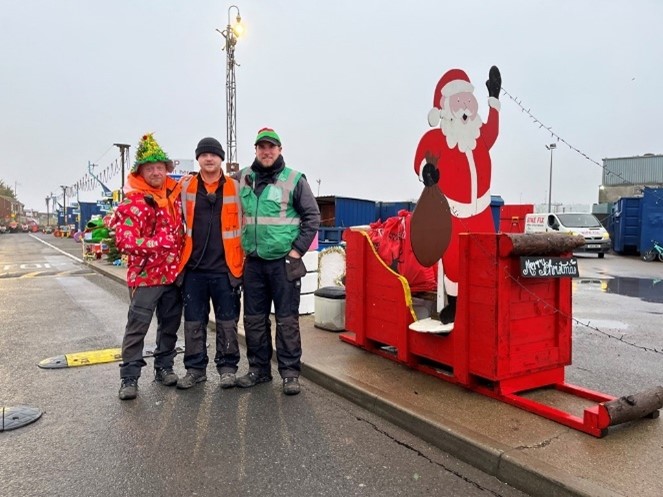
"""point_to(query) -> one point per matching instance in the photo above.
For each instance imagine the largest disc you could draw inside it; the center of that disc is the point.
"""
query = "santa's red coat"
(465, 182)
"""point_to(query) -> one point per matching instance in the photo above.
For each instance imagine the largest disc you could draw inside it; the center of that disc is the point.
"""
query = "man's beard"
(463, 135)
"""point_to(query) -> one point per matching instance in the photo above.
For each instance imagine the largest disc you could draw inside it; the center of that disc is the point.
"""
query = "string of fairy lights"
(534, 296)
(560, 139)
(88, 183)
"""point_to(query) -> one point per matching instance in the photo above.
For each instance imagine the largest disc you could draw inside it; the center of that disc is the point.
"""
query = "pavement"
(531, 453)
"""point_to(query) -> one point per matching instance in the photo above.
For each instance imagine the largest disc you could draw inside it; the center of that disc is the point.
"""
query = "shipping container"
(328, 237)
(71, 217)
(635, 222)
(391, 209)
(87, 210)
(512, 217)
(345, 211)
(496, 203)
(624, 225)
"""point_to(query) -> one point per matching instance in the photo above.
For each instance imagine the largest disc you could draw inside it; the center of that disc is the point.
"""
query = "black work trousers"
(198, 289)
(166, 300)
(265, 282)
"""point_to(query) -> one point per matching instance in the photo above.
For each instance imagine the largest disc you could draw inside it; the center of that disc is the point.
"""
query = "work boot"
(128, 388)
(191, 377)
(165, 376)
(228, 380)
(291, 386)
(251, 379)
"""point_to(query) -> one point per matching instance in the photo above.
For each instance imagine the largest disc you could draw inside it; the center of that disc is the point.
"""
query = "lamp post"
(124, 159)
(64, 204)
(550, 147)
(54, 201)
(231, 34)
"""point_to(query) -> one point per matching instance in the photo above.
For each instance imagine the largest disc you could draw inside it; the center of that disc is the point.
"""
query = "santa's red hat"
(452, 82)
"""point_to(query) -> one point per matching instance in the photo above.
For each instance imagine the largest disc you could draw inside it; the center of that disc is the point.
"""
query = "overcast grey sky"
(347, 84)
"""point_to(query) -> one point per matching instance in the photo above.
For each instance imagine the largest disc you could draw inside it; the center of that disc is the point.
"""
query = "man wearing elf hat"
(281, 219)
(460, 142)
(148, 228)
(212, 261)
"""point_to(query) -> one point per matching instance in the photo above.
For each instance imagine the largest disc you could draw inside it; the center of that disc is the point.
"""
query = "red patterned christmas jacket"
(151, 236)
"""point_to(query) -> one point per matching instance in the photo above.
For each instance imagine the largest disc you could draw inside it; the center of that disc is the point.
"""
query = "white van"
(597, 239)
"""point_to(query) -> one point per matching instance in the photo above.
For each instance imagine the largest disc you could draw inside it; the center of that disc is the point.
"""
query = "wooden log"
(636, 406)
(544, 244)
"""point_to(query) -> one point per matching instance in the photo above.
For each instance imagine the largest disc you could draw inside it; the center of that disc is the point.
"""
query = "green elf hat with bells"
(150, 151)
(268, 135)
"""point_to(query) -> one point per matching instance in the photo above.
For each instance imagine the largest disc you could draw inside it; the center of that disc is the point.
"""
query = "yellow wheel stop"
(91, 357)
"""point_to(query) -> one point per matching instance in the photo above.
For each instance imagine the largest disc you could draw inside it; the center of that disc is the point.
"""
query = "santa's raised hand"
(494, 82)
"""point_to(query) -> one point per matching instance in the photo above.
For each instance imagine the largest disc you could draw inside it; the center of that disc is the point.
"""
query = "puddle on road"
(647, 290)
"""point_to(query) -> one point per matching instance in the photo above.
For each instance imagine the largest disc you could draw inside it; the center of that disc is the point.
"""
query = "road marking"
(34, 274)
(28, 265)
(59, 250)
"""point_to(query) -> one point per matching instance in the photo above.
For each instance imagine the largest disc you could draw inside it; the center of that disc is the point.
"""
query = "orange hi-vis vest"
(231, 228)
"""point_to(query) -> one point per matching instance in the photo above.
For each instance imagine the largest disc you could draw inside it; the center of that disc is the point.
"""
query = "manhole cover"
(18, 416)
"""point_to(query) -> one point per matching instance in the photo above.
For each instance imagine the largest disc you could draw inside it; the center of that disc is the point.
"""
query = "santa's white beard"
(463, 135)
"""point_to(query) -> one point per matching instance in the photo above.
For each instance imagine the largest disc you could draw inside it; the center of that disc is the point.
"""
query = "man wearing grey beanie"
(212, 261)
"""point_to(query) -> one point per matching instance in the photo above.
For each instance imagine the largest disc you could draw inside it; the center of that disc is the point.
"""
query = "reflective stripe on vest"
(281, 220)
(231, 216)
(270, 221)
(287, 188)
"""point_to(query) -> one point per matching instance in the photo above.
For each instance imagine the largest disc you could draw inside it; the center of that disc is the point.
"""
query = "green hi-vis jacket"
(271, 222)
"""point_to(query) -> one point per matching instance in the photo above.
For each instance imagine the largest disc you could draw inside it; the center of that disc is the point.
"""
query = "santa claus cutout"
(454, 156)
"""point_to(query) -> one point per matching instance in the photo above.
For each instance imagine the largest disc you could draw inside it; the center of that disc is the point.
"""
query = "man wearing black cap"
(212, 261)
(281, 219)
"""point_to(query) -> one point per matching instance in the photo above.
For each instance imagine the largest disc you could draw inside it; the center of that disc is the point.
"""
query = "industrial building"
(627, 176)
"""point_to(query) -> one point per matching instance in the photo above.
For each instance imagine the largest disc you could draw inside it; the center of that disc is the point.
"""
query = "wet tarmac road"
(204, 441)
(617, 335)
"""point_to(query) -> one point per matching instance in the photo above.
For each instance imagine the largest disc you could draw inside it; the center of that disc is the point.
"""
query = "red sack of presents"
(391, 239)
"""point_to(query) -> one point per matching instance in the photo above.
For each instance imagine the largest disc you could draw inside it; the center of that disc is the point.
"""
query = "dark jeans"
(145, 300)
(197, 290)
(265, 282)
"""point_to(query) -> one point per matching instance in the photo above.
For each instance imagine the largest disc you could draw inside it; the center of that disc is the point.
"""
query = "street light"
(124, 158)
(550, 147)
(64, 204)
(231, 34)
(51, 198)
(48, 212)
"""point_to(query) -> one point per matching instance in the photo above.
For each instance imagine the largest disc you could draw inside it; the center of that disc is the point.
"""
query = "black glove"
(430, 174)
(494, 82)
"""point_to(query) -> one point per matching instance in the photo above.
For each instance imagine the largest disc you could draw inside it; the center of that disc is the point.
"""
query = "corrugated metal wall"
(345, 211)
(355, 211)
(635, 222)
(390, 209)
(643, 170)
(652, 218)
(87, 210)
